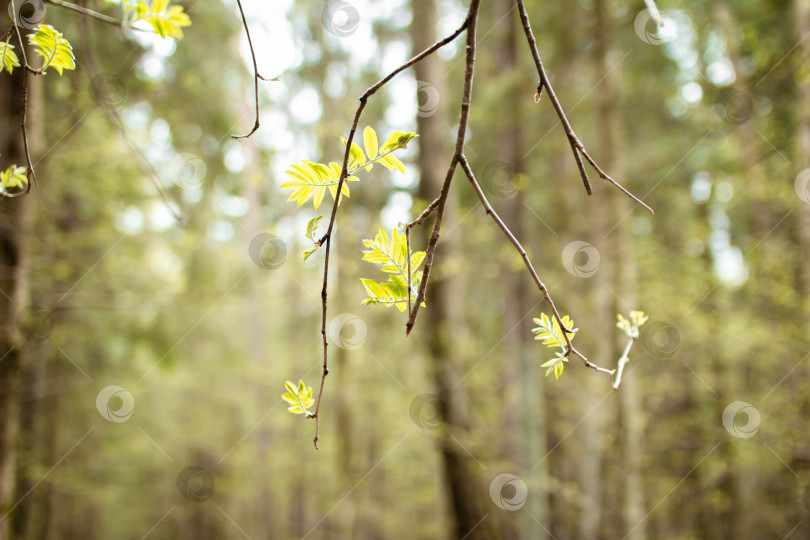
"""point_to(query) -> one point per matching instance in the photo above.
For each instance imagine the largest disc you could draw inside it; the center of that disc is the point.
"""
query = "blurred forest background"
(707, 119)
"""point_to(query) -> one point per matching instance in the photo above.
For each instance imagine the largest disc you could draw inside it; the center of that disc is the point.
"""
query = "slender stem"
(622, 362)
(256, 75)
(31, 173)
(88, 12)
(576, 145)
(472, 21)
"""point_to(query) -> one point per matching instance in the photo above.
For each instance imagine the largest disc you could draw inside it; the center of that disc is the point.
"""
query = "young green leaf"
(311, 180)
(556, 364)
(8, 58)
(312, 226)
(13, 180)
(631, 326)
(55, 50)
(299, 398)
(305, 255)
(391, 255)
(167, 21)
(356, 156)
(550, 332)
(370, 142)
(396, 141)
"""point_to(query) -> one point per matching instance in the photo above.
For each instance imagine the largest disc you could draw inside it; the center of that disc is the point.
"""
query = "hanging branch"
(577, 147)
(256, 75)
(324, 241)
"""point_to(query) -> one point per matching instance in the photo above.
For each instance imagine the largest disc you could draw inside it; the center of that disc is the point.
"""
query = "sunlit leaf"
(550, 332)
(167, 21)
(8, 58)
(55, 50)
(299, 397)
(13, 180)
(370, 142)
(391, 255)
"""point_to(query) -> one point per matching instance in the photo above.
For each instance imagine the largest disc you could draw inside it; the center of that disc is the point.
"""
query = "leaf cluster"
(391, 255)
(549, 332)
(300, 397)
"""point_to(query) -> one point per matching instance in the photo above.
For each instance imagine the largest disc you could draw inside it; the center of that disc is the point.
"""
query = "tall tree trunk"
(802, 154)
(524, 420)
(16, 216)
(444, 316)
(621, 270)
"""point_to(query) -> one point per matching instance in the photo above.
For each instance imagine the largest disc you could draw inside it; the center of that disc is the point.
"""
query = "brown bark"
(16, 217)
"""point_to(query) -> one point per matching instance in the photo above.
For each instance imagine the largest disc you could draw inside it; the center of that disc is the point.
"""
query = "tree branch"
(325, 240)
(576, 145)
(88, 12)
(472, 20)
(256, 75)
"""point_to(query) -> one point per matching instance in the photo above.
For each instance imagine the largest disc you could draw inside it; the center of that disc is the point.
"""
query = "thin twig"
(31, 174)
(617, 380)
(465, 165)
(576, 145)
(256, 75)
(88, 12)
(325, 240)
(472, 20)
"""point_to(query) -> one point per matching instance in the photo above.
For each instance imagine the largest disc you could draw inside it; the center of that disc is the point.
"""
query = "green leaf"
(311, 180)
(631, 326)
(299, 398)
(305, 255)
(8, 59)
(370, 142)
(550, 332)
(312, 226)
(13, 178)
(55, 50)
(167, 21)
(396, 141)
(356, 156)
(391, 162)
(556, 364)
(391, 255)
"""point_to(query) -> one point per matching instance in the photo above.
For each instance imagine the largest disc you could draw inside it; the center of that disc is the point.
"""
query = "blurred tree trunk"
(444, 316)
(620, 270)
(16, 217)
(802, 17)
(524, 419)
